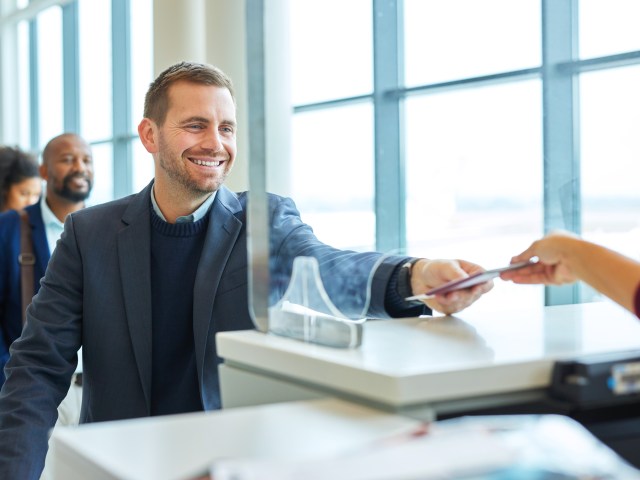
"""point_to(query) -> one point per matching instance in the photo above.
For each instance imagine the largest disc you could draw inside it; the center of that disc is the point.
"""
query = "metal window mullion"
(389, 160)
(71, 67)
(600, 63)
(121, 78)
(562, 208)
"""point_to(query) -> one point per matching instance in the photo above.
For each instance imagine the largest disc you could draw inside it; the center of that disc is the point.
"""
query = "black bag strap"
(27, 260)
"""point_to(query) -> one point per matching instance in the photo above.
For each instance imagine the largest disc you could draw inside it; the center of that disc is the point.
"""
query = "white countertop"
(412, 361)
(183, 446)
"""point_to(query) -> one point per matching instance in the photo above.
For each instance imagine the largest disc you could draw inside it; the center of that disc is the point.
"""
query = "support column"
(178, 32)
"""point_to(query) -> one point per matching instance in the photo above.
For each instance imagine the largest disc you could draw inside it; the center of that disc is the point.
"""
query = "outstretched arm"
(565, 258)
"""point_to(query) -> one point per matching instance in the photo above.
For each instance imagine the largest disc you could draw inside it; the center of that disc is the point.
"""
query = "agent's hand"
(428, 274)
(553, 266)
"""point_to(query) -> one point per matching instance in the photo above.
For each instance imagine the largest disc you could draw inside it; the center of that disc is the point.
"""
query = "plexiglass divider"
(303, 310)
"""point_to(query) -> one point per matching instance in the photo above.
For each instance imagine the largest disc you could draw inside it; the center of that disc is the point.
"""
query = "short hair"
(49, 147)
(156, 101)
(15, 166)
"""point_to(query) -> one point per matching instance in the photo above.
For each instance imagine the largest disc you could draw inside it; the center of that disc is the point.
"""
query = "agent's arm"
(565, 258)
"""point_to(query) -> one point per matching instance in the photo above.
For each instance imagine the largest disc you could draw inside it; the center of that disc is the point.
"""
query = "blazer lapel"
(222, 232)
(134, 252)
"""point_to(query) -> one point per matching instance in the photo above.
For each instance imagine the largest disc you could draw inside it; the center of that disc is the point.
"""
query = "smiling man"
(144, 283)
(67, 167)
(193, 143)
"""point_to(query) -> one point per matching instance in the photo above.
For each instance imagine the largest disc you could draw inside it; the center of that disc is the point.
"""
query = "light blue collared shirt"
(200, 212)
(52, 226)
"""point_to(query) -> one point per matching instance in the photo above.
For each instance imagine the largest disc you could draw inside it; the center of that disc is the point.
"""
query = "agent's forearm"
(609, 272)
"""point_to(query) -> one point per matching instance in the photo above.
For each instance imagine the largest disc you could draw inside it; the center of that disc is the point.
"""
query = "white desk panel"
(183, 446)
(430, 359)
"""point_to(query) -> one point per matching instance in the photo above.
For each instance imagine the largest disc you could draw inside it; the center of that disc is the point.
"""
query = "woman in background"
(20, 182)
(566, 258)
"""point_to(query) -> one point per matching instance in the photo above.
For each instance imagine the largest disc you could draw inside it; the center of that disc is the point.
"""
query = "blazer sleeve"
(356, 282)
(42, 362)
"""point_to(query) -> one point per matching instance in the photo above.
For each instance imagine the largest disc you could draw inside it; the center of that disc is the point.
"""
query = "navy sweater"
(175, 252)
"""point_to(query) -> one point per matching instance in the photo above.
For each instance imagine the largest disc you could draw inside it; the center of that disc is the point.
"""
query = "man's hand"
(428, 274)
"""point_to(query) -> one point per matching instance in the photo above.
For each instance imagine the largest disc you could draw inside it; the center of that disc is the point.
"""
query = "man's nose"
(79, 165)
(212, 141)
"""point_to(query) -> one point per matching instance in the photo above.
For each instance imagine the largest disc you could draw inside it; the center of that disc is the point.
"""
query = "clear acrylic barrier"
(307, 313)
(298, 286)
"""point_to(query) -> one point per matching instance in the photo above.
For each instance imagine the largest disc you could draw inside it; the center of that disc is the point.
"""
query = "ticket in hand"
(467, 282)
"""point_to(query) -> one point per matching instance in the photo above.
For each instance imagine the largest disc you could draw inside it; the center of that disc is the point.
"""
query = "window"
(334, 184)
(96, 92)
(331, 55)
(73, 70)
(141, 77)
(474, 176)
(608, 28)
(491, 119)
(49, 79)
(448, 40)
(610, 149)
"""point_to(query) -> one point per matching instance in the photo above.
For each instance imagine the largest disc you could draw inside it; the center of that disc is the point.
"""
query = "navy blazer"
(96, 293)
(10, 288)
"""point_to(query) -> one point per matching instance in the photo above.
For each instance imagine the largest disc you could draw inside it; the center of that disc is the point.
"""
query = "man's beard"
(182, 177)
(74, 196)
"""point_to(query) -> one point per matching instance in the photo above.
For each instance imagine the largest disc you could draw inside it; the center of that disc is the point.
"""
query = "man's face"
(196, 145)
(68, 170)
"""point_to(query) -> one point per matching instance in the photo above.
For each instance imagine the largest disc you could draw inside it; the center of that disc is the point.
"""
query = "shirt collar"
(48, 218)
(200, 212)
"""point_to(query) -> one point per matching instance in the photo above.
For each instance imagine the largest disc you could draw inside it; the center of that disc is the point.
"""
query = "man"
(144, 283)
(67, 167)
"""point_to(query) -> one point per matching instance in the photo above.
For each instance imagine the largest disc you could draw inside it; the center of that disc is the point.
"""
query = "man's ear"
(147, 131)
(42, 169)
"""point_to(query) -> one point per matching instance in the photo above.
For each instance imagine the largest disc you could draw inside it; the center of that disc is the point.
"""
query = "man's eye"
(195, 127)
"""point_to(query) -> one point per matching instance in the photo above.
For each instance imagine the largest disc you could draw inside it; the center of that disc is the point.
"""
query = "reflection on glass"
(450, 39)
(315, 291)
(610, 149)
(50, 92)
(24, 74)
(331, 50)
(608, 28)
(95, 70)
(332, 174)
(307, 312)
(103, 174)
(474, 178)
(141, 56)
(142, 166)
